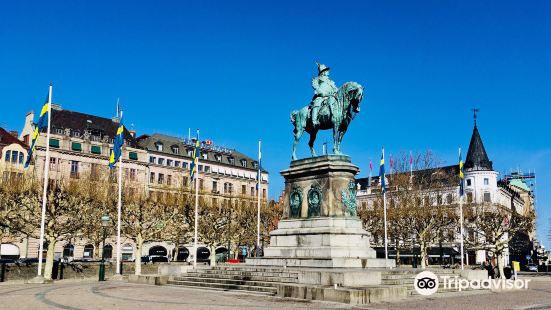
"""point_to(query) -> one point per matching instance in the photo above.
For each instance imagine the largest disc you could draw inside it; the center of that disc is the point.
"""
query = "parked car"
(7, 261)
(532, 267)
(158, 259)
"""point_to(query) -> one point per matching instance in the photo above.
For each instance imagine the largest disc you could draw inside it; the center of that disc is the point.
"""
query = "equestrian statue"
(330, 108)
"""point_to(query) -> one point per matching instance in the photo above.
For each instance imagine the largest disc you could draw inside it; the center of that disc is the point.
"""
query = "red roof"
(6, 138)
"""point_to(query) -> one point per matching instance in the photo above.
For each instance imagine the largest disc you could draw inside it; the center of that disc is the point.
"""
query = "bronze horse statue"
(336, 113)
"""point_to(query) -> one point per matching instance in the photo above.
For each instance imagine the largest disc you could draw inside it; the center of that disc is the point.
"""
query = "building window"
(161, 178)
(204, 156)
(184, 165)
(200, 168)
(487, 197)
(74, 169)
(231, 160)
(263, 193)
(8, 156)
(152, 177)
(161, 161)
(243, 163)
(449, 199)
(177, 163)
(26, 139)
(108, 251)
(75, 146)
(21, 155)
(175, 150)
(68, 250)
(486, 181)
(133, 155)
(469, 197)
(14, 155)
(53, 162)
(169, 180)
(207, 169)
(132, 174)
(159, 146)
(96, 149)
(218, 157)
(255, 165)
(169, 162)
(214, 186)
(54, 143)
(468, 182)
(152, 159)
(243, 189)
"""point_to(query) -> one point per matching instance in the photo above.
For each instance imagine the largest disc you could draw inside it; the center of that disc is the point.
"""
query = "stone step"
(251, 273)
(242, 277)
(228, 287)
(227, 281)
(252, 268)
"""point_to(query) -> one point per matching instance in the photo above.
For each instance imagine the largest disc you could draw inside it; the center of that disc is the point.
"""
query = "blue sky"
(236, 70)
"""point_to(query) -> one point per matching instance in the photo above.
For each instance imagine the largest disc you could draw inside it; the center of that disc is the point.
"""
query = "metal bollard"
(3, 272)
(61, 268)
(121, 268)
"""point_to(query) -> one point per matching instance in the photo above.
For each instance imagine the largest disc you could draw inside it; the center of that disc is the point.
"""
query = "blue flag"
(41, 125)
(382, 172)
(195, 162)
(119, 141)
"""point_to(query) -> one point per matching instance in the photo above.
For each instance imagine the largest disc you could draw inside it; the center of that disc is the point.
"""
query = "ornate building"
(482, 187)
(80, 145)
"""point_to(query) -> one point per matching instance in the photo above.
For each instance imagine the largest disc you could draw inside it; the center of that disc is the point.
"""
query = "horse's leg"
(311, 142)
(336, 145)
(341, 134)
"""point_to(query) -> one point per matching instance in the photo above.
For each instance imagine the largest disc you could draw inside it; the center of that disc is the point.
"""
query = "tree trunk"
(212, 255)
(49, 258)
(97, 245)
(423, 254)
(138, 255)
(397, 256)
(176, 246)
(500, 262)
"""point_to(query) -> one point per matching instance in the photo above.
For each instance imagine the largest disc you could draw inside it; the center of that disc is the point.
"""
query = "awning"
(9, 250)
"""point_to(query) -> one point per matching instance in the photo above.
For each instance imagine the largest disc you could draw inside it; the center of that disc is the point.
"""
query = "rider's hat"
(321, 68)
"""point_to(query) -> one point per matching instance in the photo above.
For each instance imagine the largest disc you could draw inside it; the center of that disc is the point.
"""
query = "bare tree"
(494, 227)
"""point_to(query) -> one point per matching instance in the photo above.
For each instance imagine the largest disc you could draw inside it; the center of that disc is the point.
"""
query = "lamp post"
(104, 224)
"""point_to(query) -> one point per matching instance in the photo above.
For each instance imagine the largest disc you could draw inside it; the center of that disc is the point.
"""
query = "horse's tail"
(294, 117)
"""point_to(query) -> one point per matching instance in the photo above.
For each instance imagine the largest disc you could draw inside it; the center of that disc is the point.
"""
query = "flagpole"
(461, 218)
(196, 205)
(119, 207)
(46, 178)
(386, 231)
(258, 194)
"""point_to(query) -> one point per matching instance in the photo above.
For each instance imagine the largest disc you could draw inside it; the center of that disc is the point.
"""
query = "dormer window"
(255, 165)
(204, 156)
(175, 150)
(190, 152)
(243, 163)
(231, 160)
(159, 146)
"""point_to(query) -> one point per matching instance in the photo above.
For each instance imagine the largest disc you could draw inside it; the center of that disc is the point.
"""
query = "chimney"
(14, 133)
(56, 106)
(132, 133)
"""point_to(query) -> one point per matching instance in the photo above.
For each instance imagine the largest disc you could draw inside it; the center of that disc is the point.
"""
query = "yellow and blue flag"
(382, 172)
(117, 147)
(461, 176)
(195, 162)
(41, 125)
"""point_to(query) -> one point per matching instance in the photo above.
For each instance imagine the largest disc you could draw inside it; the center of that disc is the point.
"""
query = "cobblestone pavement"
(90, 294)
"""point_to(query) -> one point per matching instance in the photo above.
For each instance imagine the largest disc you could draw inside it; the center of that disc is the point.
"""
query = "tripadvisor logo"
(426, 283)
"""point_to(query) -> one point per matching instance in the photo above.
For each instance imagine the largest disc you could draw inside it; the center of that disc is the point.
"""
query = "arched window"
(88, 251)
(68, 250)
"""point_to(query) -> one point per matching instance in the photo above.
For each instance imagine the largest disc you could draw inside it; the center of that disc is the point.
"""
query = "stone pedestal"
(320, 227)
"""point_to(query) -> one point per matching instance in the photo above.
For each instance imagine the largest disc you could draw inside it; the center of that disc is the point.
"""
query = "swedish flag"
(119, 141)
(41, 125)
(382, 172)
(195, 162)
(461, 176)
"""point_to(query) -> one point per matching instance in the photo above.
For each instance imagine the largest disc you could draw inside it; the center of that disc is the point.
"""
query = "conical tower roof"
(477, 158)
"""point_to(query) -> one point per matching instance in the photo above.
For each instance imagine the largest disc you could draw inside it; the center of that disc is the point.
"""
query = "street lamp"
(104, 223)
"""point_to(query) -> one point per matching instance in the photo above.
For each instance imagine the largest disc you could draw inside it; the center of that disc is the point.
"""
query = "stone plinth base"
(40, 280)
(321, 242)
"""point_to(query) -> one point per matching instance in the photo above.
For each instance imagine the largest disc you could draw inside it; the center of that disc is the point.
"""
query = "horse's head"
(354, 93)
